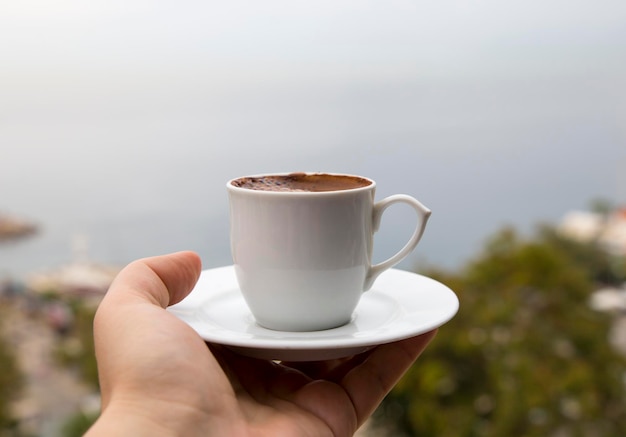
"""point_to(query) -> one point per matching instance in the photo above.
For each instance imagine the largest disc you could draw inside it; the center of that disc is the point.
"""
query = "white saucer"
(399, 305)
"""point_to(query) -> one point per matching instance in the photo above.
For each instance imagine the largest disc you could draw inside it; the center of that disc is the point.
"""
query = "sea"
(114, 190)
(119, 130)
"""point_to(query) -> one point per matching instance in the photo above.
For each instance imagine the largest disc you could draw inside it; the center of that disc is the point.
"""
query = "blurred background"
(120, 123)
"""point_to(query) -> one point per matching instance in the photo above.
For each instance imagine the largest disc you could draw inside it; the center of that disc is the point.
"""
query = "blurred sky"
(123, 120)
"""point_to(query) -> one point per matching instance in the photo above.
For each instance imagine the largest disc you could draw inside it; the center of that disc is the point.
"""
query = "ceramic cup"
(303, 258)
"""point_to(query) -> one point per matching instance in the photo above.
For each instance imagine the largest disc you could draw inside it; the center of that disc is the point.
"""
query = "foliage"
(11, 382)
(600, 266)
(77, 425)
(601, 205)
(77, 349)
(525, 355)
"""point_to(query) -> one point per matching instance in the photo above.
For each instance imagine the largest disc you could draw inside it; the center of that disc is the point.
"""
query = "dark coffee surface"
(298, 182)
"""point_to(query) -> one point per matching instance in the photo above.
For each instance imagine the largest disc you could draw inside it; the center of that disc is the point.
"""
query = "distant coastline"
(12, 228)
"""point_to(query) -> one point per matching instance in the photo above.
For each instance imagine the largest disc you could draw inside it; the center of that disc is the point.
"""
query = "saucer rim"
(298, 341)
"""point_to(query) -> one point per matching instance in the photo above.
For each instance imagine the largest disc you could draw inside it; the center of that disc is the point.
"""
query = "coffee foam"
(301, 182)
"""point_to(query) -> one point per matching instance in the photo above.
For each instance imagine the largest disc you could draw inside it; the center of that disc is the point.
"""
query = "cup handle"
(423, 214)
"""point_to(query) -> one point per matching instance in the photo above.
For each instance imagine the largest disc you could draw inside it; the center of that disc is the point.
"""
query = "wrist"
(113, 421)
(126, 419)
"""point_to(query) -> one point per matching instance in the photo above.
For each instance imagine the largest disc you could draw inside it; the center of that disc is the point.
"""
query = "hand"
(158, 377)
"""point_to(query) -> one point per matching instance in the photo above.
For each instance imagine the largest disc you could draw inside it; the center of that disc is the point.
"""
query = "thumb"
(162, 280)
(133, 307)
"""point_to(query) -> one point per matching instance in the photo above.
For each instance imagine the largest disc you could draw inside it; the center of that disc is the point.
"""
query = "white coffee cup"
(304, 258)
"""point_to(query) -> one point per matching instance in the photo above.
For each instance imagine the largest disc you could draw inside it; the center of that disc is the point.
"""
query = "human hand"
(158, 377)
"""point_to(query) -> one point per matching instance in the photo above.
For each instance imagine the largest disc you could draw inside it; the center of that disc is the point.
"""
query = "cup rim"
(230, 186)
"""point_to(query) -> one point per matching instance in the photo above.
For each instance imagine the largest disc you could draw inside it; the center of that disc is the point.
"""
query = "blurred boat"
(81, 279)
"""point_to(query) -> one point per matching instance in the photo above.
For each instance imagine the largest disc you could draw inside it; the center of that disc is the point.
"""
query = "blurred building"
(607, 229)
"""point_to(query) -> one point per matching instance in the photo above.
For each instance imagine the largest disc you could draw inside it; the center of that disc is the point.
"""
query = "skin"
(158, 377)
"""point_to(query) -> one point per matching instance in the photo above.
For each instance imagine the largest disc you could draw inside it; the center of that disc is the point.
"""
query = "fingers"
(258, 378)
(353, 389)
(316, 369)
(368, 383)
(163, 280)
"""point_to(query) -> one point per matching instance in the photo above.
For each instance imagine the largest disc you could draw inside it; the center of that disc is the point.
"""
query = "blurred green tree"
(600, 266)
(11, 382)
(77, 349)
(78, 424)
(525, 355)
